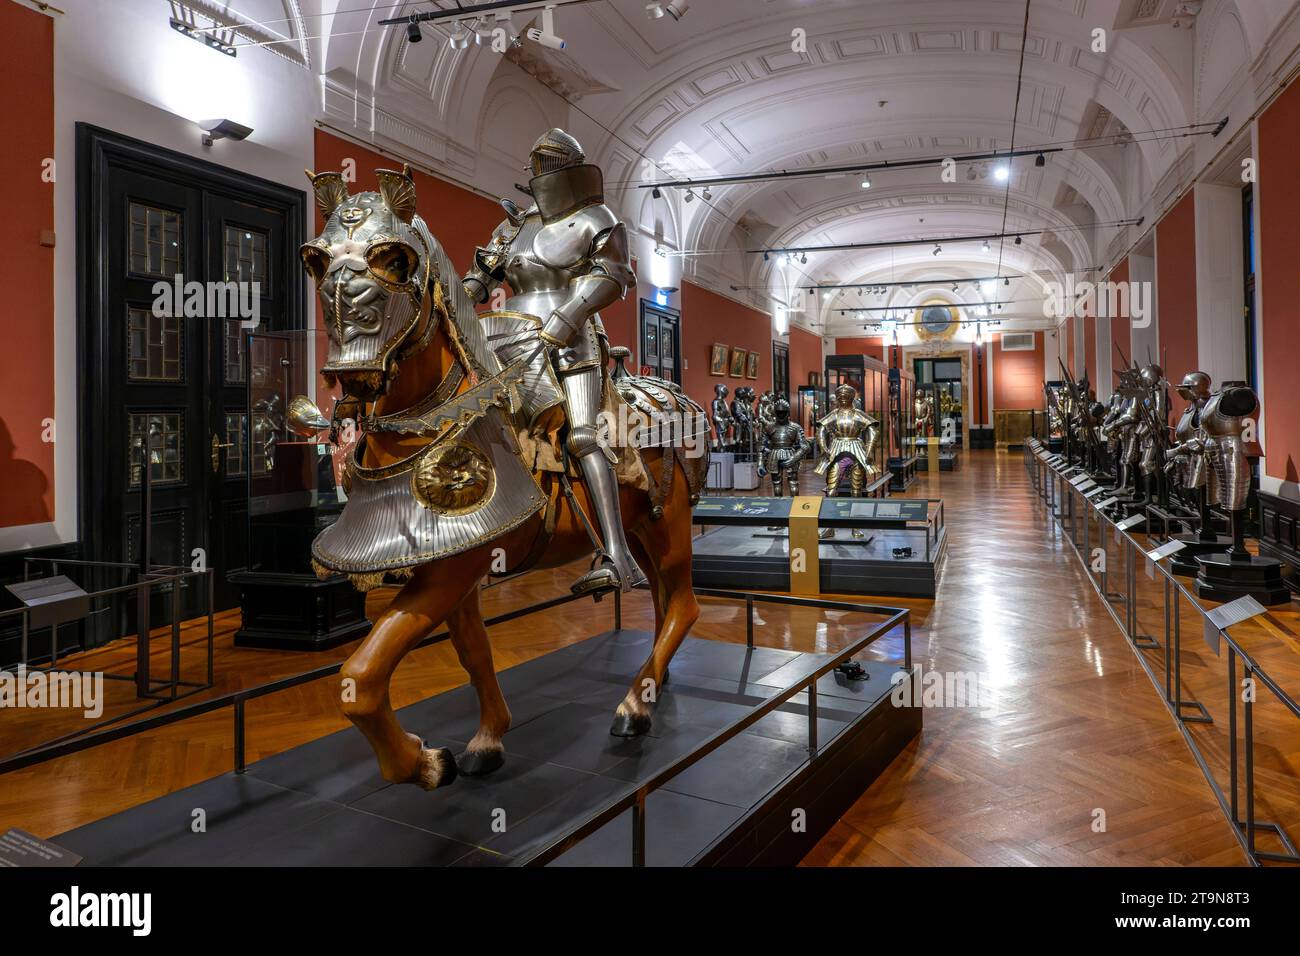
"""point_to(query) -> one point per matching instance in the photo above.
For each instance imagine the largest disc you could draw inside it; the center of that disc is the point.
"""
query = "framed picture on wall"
(751, 365)
(718, 359)
(737, 369)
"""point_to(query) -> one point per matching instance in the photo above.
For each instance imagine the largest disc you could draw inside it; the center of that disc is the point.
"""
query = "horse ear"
(331, 191)
(398, 191)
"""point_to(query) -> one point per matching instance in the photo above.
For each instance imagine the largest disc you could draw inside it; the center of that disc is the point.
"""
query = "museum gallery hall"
(609, 433)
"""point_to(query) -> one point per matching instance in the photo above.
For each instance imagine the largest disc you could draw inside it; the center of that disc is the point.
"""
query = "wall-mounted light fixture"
(215, 129)
(222, 42)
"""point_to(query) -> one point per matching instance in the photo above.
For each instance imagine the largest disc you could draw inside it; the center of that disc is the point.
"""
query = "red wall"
(1068, 330)
(1176, 280)
(872, 346)
(707, 318)
(27, 361)
(1017, 376)
(1121, 331)
(1279, 253)
(805, 357)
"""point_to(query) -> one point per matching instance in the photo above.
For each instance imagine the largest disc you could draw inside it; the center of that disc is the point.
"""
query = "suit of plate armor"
(784, 446)
(1157, 408)
(742, 415)
(723, 423)
(766, 413)
(566, 258)
(922, 411)
(847, 432)
(1188, 460)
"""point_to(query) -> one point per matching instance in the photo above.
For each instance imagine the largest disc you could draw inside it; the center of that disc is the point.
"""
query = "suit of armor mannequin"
(847, 432)
(565, 258)
(723, 423)
(1122, 425)
(1188, 461)
(784, 447)
(923, 412)
(742, 413)
(765, 414)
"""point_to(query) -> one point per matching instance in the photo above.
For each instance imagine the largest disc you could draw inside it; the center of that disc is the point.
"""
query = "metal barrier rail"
(237, 699)
(1075, 514)
(635, 796)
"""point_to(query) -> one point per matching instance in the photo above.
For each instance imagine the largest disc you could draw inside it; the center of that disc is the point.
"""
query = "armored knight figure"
(922, 413)
(1153, 426)
(766, 413)
(742, 414)
(566, 258)
(1123, 424)
(784, 446)
(1188, 460)
(846, 433)
(723, 423)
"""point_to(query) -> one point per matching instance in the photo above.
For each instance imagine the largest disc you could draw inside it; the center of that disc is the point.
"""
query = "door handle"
(217, 445)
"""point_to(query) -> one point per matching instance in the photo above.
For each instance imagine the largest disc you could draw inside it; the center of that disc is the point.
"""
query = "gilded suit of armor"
(922, 413)
(565, 257)
(847, 432)
(784, 447)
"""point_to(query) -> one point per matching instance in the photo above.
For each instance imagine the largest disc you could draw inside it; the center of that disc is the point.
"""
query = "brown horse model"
(446, 484)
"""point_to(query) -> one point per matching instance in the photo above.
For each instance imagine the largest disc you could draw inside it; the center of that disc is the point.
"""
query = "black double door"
(661, 341)
(187, 259)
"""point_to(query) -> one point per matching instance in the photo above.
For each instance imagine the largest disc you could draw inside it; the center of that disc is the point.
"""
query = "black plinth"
(1184, 561)
(298, 611)
(1222, 579)
(324, 804)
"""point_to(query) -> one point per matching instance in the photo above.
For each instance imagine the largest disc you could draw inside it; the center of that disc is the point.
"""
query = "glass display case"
(295, 491)
(902, 428)
(810, 406)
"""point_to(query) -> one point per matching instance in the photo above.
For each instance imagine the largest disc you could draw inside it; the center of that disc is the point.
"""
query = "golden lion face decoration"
(453, 479)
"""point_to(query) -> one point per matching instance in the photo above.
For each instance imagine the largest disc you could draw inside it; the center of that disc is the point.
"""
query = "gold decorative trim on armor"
(453, 478)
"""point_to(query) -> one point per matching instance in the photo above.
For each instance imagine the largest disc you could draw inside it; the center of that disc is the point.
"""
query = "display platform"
(734, 557)
(324, 803)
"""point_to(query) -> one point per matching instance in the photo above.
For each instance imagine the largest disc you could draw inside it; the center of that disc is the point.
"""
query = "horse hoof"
(437, 768)
(629, 725)
(480, 763)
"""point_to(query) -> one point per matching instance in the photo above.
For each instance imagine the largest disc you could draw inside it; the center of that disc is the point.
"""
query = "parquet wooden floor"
(1077, 725)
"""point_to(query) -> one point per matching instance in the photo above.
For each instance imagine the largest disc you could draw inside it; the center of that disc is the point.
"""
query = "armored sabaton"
(565, 257)
(784, 446)
(847, 432)
(1223, 420)
(723, 423)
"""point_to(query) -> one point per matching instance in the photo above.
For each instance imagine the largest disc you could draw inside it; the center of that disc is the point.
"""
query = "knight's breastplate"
(847, 424)
(1217, 424)
(783, 436)
(538, 287)
(1187, 426)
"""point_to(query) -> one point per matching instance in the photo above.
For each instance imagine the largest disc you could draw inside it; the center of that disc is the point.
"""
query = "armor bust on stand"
(1228, 576)
(784, 446)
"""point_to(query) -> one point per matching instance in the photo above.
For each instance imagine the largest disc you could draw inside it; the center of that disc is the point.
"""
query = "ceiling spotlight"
(971, 172)
(708, 195)
(661, 251)
(675, 9)
(954, 287)
(1040, 160)
(938, 250)
(1019, 240)
(866, 181)
(803, 259)
(766, 257)
(215, 129)
(657, 193)
(985, 247)
(1002, 174)
(413, 34)
(459, 39)
(690, 196)
(1006, 281)
(546, 36)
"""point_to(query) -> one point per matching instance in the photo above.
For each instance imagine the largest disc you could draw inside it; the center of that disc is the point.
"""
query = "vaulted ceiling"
(727, 91)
